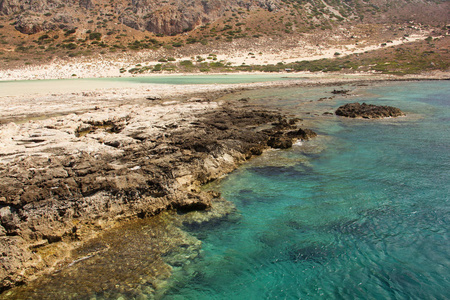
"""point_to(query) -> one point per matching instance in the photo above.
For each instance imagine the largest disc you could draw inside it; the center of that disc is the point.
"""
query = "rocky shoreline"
(104, 160)
(66, 179)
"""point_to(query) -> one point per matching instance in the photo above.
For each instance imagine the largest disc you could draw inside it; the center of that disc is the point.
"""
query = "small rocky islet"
(368, 111)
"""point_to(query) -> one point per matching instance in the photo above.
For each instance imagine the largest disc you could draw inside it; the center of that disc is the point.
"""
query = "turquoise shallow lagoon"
(204, 79)
(27, 87)
(362, 212)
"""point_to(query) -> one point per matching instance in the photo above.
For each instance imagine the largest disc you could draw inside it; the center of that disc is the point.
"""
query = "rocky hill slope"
(177, 16)
(43, 29)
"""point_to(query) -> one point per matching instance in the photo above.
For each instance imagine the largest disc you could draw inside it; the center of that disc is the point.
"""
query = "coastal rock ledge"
(63, 180)
(368, 111)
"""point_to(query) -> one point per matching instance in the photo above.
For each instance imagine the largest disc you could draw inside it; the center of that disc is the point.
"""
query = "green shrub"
(70, 31)
(70, 46)
(43, 37)
(95, 36)
(133, 70)
(157, 68)
(186, 63)
(216, 65)
(191, 40)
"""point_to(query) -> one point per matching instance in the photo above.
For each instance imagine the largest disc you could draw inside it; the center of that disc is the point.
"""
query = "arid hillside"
(38, 31)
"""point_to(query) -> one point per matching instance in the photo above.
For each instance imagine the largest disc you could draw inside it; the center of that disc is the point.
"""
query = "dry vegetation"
(312, 23)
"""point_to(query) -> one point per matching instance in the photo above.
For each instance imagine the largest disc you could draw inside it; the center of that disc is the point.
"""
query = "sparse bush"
(186, 63)
(157, 68)
(43, 37)
(133, 70)
(191, 40)
(95, 36)
(70, 31)
(216, 65)
(70, 46)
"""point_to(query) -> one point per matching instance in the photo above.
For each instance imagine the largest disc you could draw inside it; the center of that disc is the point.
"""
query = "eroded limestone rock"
(63, 179)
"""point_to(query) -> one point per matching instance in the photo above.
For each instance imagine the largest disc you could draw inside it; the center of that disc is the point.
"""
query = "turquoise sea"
(360, 212)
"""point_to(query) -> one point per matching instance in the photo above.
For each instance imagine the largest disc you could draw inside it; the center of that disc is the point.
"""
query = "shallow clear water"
(361, 212)
(205, 79)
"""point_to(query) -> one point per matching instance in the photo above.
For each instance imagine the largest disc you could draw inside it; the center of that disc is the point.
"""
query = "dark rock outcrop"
(33, 24)
(159, 17)
(303, 134)
(178, 16)
(368, 111)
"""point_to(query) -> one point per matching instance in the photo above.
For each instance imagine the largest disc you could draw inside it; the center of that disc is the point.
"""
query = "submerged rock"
(342, 92)
(368, 111)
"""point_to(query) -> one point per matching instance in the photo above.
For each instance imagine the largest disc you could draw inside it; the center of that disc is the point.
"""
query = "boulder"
(303, 134)
(368, 111)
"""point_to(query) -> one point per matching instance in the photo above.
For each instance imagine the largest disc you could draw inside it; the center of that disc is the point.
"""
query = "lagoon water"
(29, 87)
(360, 212)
